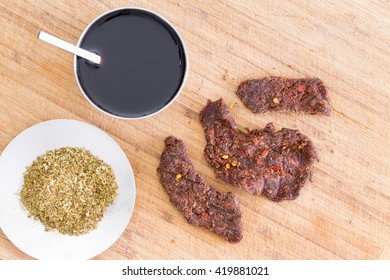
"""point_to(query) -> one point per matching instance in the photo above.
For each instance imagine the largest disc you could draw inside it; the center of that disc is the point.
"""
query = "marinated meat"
(272, 163)
(281, 94)
(200, 204)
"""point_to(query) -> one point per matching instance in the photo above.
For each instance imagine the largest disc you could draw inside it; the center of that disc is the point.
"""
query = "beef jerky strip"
(200, 204)
(273, 163)
(281, 94)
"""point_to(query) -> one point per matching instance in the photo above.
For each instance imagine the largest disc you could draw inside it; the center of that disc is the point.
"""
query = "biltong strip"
(201, 204)
(266, 162)
(282, 94)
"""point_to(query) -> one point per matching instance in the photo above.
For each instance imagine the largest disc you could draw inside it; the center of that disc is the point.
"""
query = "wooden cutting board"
(343, 214)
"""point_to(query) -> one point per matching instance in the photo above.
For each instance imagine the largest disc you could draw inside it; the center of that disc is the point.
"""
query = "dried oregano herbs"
(68, 189)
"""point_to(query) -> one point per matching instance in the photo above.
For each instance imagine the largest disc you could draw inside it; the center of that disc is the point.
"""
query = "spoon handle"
(69, 47)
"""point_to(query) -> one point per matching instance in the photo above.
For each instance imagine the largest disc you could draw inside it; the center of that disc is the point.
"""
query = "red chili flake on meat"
(204, 216)
(259, 161)
(228, 205)
(212, 136)
(264, 152)
(276, 167)
(301, 88)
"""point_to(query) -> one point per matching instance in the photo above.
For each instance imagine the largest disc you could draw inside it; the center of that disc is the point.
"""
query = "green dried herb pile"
(69, 190)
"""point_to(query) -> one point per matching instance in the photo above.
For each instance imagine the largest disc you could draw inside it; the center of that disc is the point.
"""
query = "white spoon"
(69, 47)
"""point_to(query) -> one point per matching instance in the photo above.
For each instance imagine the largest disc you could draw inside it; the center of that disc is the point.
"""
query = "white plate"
(29, 235)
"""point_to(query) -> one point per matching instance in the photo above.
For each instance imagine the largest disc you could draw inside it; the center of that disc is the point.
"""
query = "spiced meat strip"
(282, 94)
(201, 204)
(266, 162)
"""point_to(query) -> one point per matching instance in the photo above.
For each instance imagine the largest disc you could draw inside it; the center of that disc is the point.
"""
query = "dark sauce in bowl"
(143, 63)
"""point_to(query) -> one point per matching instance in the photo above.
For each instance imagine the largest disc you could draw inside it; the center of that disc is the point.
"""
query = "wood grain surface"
(343, 214)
